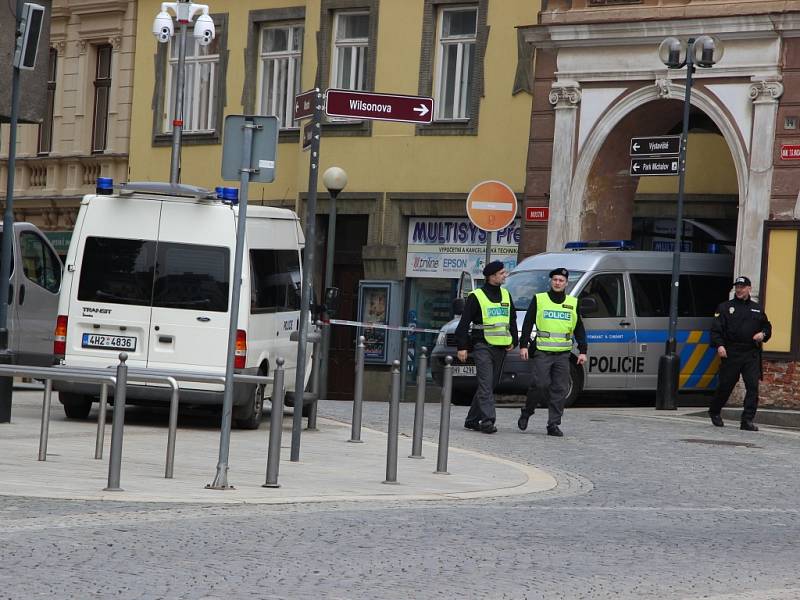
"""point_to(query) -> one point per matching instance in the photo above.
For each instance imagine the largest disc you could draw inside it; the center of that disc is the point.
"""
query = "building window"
(455, 62)
(46, 128)
(201, 70)
(350, 50)
(102, 89)
(780, 287)
(281, 49)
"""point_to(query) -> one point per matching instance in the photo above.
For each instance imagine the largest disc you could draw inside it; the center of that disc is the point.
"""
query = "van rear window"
(148, 273)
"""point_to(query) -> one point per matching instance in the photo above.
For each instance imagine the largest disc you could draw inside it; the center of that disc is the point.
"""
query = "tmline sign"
(655, 155)
(380, 107)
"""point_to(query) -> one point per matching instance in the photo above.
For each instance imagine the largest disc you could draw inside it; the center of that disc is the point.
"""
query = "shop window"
(779, 287)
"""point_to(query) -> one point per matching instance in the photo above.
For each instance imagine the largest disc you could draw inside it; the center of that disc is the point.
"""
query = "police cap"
(493, 267)
(742, 280)
(560, 271)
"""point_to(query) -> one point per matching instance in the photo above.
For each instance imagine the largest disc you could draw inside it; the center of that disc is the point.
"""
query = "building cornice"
(638, 32)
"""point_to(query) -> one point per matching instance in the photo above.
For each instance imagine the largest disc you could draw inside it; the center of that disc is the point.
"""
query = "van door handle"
(165, 339)
(204, 319)
(21, 295)
(625, 323)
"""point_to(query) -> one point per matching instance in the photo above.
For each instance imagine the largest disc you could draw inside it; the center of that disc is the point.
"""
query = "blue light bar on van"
(218, 192)
(601, 244)
(105, 186)
(230, 195)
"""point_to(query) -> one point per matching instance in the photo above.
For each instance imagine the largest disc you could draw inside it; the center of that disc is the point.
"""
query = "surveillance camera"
(204, 30)
(162, 27)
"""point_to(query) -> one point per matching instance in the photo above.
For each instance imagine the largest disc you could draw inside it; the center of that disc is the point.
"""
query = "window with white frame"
(201, 70)
(455, 60)
(281, 49)
(350, 50)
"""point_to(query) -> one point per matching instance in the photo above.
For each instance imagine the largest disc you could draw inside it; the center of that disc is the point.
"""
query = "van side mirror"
(332, 295)
(458, 306)
(587, 306)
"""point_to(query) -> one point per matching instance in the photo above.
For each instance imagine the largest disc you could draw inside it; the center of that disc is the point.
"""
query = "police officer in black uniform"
(740, 328)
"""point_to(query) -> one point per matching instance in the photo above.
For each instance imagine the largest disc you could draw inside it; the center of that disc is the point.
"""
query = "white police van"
(149, 272)
(626, 319)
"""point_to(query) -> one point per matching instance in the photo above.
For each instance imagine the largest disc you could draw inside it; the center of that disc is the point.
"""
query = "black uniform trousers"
(748, 365)
(549, 384)
(488, 366)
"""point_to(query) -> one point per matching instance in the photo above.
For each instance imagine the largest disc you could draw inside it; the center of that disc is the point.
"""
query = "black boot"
(522, 422)
(748, 426)
(554, 430)
(716, 420)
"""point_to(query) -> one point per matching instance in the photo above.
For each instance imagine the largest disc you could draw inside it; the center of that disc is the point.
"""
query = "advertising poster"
(374, 308)
(444, 247)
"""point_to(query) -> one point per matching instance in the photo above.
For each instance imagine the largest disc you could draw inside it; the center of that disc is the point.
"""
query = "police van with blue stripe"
(624, 301)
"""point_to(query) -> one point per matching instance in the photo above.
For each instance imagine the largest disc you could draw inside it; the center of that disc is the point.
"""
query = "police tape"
(381, 326)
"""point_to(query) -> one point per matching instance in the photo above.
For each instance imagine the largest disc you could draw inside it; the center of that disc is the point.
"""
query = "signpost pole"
(308, 275)
(488, 248)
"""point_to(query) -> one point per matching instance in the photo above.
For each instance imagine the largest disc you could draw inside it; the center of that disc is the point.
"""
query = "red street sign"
(537, 214)
(790, 152)
(379, 107)
(304, 104)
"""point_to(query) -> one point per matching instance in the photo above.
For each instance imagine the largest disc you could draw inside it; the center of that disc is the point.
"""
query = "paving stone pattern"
(639, 512)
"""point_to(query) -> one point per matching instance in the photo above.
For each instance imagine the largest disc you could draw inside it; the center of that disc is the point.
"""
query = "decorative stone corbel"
(765, 92)
(82, 45)
(115, 41)
(565, 94)
(662, 85)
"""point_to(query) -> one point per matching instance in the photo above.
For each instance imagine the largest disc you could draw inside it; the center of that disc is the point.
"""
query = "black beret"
(560, 271)
(742, 280)
(493, 267)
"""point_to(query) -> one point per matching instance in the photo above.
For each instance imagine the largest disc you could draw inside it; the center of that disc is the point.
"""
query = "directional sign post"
(304, 104)
(665, 145)
(378, 107)
(655, 166)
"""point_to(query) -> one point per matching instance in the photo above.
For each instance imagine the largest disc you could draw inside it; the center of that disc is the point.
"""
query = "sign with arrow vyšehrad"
(378, 107)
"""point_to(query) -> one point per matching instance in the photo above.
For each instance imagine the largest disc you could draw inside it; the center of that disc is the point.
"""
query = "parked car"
(149, 272)
(624, 300)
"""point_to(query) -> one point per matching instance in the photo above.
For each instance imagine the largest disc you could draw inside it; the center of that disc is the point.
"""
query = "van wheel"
(575, 383)
(76, 406)
(248, 416)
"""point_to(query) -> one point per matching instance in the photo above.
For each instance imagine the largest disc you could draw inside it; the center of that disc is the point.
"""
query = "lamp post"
(335, 180)
(204, 33)
(704, 52)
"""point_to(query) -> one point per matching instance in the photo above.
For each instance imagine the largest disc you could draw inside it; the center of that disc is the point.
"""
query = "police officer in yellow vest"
(491, 313)
(558, 325)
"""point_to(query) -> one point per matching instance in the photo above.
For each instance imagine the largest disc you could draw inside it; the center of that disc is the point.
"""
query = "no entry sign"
(492, 205)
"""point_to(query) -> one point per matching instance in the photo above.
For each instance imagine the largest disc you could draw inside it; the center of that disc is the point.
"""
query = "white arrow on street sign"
(636, 167)
(422, 110)
(636, 146)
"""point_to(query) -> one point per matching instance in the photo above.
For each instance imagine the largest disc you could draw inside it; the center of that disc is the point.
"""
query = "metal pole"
(329, 256)
(7, 383)
(394, 417)
(669, 364)
(177, 115)
(221, 478)
(101, 422)
(488, 248)
(358, 392)
(118, 425)
(174, 402)
(419, 408)
(444, 422)
(275, 426)
(44, 431)
(403, 365)
(308, 276)
(315, 382)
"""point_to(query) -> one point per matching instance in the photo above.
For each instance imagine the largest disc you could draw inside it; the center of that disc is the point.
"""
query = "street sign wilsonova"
(380, 107)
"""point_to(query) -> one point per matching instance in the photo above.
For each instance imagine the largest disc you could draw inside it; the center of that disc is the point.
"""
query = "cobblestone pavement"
(648, 505)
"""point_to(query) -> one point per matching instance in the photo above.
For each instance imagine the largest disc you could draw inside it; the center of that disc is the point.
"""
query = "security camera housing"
(204, 31)
(162, 27)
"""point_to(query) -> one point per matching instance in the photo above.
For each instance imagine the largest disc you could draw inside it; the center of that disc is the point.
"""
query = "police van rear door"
(609, 330)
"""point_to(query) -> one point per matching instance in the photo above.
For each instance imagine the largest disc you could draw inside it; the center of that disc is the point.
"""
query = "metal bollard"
(444, 423)
(275, 427)
(174, 402)
(419, 408)
(324, 360)
(101, 422)
(403, 365)
(44, 431)
(358, 392)
(118, 425)
(315, 384)
(394, 417)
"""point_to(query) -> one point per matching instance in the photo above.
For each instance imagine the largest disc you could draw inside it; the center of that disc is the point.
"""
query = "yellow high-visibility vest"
(555, 323)
(496, 316)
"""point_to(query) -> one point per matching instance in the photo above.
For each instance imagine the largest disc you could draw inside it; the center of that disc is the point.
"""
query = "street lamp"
(704, 51)
(204, 33)
(335, 179)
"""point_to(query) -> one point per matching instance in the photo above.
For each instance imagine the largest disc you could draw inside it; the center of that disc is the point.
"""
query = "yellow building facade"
(402, 178)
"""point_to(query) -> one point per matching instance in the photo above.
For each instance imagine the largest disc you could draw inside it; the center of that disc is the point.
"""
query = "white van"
(149, 272)
(33, 289)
